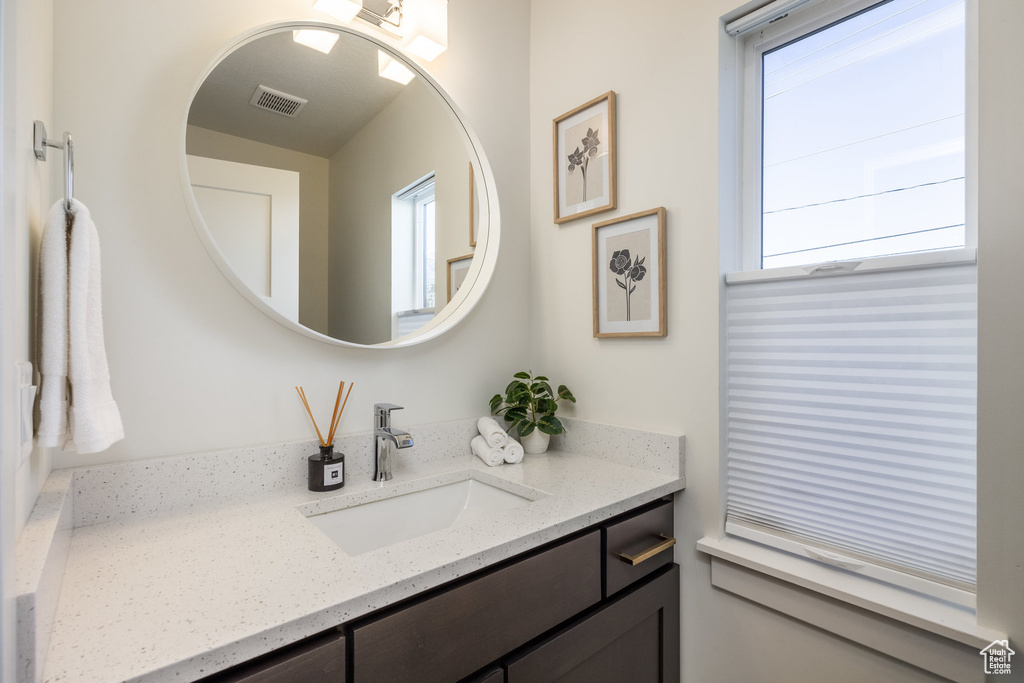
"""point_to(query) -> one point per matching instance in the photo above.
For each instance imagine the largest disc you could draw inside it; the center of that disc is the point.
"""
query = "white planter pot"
(535, 442)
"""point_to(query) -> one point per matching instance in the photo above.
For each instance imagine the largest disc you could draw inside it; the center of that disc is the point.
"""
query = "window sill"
(744, 568)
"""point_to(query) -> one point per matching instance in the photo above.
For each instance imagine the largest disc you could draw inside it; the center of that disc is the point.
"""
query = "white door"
(252, 213)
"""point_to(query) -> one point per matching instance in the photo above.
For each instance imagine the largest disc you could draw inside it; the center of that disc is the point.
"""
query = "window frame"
(419, 201)
(740, 259)
(406, 226)
(788, 28)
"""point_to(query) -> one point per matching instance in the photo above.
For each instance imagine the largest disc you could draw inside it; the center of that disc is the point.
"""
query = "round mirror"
(335, 184)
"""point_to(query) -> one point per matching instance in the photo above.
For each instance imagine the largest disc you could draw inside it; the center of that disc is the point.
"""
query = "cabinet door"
(455, 632)
(634, 638)
(317, 660)
(495, 674)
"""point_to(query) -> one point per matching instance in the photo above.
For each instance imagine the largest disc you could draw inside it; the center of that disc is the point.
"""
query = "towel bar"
(39, 144)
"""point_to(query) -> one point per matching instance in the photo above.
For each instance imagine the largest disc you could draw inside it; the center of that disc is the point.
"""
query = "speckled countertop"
(177, 594)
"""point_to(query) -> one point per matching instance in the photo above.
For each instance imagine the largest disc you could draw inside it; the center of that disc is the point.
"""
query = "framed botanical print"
(629, 276)
(458, 267)
(584, 163)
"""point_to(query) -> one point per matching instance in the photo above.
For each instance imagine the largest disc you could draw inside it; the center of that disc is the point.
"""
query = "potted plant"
(529, 406)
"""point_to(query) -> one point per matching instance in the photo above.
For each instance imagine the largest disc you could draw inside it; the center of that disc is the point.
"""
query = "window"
(424, 259)
(413, 256)
(861, 125)
(850, 343)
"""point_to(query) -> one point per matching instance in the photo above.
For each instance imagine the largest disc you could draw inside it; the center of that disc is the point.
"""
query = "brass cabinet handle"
(666, 543)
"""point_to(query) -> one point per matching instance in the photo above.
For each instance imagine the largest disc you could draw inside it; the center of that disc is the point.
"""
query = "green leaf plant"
(529, 403)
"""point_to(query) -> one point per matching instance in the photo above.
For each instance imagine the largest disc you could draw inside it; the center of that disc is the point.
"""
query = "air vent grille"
(277, 101)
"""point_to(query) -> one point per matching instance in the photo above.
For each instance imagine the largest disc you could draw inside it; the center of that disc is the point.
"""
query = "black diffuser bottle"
(326, 470)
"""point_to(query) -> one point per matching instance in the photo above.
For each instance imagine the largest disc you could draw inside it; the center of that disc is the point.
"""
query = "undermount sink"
(381, 523)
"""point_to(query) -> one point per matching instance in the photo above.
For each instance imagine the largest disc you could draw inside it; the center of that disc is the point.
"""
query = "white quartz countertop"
(180, 594)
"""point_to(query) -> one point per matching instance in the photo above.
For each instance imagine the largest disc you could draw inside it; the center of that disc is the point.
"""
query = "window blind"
(851, 416)
(762, 16)
(410, 321)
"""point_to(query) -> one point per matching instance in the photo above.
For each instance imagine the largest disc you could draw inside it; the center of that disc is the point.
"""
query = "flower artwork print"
(627, 268)
(585, 179)
(629, 275)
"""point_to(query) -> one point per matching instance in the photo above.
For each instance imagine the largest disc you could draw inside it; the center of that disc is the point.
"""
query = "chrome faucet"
(387, 439)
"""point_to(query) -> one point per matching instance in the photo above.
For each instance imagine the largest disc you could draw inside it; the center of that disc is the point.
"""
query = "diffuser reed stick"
(335, 416)
(302, 395)
(344, 403)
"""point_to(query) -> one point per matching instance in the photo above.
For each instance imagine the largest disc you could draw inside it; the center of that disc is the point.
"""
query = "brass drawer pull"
(666, 543)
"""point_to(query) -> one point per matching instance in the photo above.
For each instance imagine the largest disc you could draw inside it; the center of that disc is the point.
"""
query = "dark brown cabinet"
(632, 637)
(599, 606)
(449, 635)
(637, 545)
(320, 659)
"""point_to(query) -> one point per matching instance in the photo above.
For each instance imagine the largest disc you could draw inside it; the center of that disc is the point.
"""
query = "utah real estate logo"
(997, 657)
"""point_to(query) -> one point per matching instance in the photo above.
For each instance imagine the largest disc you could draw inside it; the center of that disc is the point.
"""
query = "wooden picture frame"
(585, 159)
(472, 207)
(629, 276)
(457, 269)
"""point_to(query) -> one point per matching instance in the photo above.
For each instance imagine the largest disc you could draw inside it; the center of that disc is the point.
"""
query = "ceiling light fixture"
(390, 68)
(427, 33)
(421, 25)
(318, 40)
(390, 21)
(342, 10)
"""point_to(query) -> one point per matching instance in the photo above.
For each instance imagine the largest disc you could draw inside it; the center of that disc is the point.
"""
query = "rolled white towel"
(492, 432)
(492, 456)
(513, 452)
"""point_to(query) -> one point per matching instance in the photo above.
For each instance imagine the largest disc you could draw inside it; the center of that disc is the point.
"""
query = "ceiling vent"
(277, 101)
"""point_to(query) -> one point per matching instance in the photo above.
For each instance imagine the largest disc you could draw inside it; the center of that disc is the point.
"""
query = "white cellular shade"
(764, 15)
(851, 415)
(410, 321)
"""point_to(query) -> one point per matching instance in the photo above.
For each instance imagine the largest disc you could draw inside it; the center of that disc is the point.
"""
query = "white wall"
(26, 68)
(313, 200)
(27, 199)
(665, 73)
(410, 138)
(193, 365)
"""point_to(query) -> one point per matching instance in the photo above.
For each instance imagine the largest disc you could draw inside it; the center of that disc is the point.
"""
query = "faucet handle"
(382, 414)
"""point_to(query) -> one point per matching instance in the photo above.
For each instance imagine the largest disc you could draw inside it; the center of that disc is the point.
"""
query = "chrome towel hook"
(39, 145)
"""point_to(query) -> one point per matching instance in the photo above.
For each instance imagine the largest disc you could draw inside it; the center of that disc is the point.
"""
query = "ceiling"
(343, 88)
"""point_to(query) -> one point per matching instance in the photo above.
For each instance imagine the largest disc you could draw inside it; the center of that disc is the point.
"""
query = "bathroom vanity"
(599, 605)
(210, 566)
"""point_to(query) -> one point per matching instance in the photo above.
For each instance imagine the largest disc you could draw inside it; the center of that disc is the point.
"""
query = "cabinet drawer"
(455, 633)
(633, 637)
(637, 546)
(493, 674)
(317, 660)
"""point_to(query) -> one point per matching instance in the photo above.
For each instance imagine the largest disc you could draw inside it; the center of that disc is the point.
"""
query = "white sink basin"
(380, 523)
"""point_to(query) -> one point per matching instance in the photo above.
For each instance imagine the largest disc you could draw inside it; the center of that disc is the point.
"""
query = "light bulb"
(318, 40)
(392, 69)
(427, 27)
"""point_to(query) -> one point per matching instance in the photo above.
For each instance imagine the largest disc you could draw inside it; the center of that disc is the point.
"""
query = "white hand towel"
(53, 353)
(95, 419)
(73, 329)
(493, 433)
(490, 455)
(513, 452)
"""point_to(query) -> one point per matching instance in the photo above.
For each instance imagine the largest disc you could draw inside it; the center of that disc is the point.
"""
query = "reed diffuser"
(327, 469)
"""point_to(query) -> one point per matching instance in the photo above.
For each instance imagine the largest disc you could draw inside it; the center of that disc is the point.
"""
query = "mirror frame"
(485, 254)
